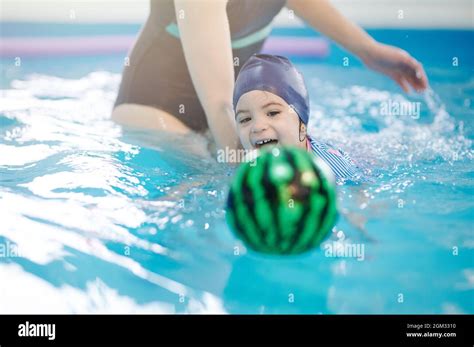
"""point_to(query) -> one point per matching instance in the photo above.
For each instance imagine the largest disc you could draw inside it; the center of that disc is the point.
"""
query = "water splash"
(122, 220)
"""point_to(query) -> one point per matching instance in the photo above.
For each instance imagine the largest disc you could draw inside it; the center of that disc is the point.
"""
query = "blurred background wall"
(368, 13)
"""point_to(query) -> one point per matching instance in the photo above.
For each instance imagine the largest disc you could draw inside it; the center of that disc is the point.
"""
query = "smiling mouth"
(266, 142)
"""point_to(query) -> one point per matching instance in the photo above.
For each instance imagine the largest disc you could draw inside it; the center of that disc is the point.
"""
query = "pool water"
(96, 218)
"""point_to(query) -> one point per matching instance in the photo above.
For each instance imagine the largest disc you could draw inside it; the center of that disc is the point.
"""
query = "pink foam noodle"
(64, 46)
(99, 45)
(297, 46)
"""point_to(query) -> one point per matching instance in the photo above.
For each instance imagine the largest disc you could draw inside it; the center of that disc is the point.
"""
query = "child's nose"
(260, 124)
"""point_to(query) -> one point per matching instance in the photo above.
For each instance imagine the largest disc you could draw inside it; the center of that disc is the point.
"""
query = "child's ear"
(303, 127)
(302, 132)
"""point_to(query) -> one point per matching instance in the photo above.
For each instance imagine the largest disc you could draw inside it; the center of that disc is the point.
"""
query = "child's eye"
(244, 120)
(273, 113)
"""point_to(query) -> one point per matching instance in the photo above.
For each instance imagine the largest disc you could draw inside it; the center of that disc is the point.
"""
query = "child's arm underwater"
(392, 61)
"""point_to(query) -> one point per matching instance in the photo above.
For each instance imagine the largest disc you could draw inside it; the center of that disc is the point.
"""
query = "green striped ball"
(284, 202)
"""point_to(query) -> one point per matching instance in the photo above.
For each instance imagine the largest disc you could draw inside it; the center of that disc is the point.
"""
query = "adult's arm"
(205, 36)
(392, 61)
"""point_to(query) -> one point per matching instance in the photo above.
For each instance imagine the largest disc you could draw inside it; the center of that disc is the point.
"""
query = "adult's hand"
(397, 64)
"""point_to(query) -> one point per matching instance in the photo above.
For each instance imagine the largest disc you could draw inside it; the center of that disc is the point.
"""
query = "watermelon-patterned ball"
(283, 202)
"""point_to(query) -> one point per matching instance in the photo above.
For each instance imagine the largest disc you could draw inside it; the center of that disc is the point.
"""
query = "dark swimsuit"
(158, 76)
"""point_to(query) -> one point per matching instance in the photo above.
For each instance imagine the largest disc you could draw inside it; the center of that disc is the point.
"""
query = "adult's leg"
(151, 118)
(148, 117)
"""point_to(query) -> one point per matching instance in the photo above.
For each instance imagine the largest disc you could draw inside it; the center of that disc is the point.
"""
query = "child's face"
(263, 116)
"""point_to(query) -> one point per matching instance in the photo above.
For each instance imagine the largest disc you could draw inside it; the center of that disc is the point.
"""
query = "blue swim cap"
(277, 75)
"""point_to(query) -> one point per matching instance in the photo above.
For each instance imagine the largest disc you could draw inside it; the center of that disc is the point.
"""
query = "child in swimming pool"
(272, 108)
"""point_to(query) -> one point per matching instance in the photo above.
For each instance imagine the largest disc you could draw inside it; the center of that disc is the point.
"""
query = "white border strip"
(368, 13)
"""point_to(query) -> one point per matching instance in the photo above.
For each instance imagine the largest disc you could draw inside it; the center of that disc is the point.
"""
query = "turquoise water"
(96, 218)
